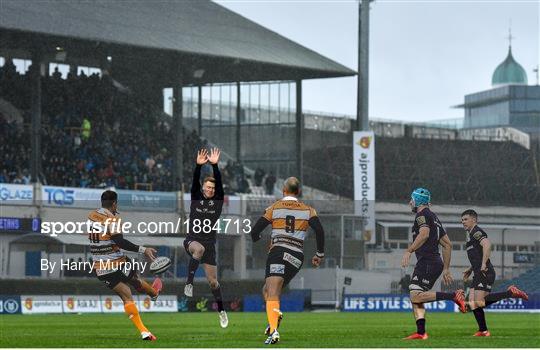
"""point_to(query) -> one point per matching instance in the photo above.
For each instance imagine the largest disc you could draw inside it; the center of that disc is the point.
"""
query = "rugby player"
(428, 234)
(290, 219)
(478, 252)
(112, 266)
(205, 209)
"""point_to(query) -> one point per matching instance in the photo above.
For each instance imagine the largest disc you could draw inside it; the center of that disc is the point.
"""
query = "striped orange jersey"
(290, 220)
(102, 247)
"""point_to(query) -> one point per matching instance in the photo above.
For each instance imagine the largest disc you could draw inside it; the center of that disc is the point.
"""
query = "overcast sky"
(425, 55)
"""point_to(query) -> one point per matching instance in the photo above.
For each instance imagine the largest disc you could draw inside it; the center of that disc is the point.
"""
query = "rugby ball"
(160, 265)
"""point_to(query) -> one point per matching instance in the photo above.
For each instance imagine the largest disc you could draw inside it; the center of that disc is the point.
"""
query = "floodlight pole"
(362, 105)
(199, 109)
(238, 122)
(178, 137)
(35, 140)
(299, 133)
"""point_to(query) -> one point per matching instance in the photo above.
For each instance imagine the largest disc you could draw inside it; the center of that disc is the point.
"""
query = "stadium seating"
(127, 145)
(455, 170)
(528, 281)
(120, 148)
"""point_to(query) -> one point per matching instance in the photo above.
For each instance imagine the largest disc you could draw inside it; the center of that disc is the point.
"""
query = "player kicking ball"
(290, 220)
(106, 245)
(428, 234)
(200, 242)
(478, 252)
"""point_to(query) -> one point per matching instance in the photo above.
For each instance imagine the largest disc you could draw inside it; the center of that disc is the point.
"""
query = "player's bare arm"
(202, 157)
(486, 252)
(213, 158)
(467, 274)
(446, 255)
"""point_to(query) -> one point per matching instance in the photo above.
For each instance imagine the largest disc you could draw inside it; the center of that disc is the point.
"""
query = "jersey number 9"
(289, 223)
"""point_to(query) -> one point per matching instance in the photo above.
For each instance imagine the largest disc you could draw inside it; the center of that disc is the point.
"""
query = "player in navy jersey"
(200, 242)
(478, 252)
(428, 234)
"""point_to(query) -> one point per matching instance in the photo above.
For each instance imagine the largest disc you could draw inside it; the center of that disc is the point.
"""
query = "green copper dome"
(509, 72)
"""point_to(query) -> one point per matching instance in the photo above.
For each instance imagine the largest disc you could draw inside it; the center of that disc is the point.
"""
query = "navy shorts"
(425, 275)
(209, 256)
(483, 281)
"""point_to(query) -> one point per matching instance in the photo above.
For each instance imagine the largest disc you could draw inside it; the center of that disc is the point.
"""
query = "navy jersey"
(475, 250)
(430, 249)
(204, 209)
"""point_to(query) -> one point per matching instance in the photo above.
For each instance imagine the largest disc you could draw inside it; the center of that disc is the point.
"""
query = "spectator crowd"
(93, 134)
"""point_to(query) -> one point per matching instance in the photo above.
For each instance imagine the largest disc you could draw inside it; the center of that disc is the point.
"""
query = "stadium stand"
(529, 280)
(456, 170)
(90, 124)
(235, 178)
(109, 119)
(108, 136)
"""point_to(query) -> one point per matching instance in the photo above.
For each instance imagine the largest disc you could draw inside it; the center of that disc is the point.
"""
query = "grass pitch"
(306, 329)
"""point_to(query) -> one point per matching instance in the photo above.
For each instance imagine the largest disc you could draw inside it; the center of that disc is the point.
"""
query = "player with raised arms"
(290, 220)
(111, 264)
(428, 234)
(200, 242)
(478, 252)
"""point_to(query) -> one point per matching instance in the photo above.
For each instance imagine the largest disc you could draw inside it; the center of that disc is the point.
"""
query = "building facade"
(509, 103)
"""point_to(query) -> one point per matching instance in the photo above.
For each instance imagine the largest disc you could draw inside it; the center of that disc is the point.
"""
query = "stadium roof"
(191, 35)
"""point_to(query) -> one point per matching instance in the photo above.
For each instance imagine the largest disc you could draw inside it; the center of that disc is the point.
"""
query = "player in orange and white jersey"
(110, 262)
(290, 220)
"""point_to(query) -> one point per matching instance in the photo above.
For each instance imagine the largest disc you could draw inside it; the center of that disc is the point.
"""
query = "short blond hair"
(209, 178)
